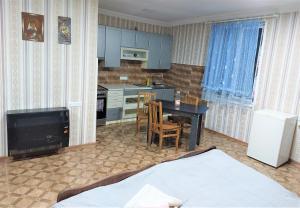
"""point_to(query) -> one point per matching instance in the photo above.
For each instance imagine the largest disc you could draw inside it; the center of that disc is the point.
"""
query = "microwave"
(134, 54)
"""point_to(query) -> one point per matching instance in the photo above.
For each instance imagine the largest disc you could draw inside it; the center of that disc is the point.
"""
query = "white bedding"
(209, 179)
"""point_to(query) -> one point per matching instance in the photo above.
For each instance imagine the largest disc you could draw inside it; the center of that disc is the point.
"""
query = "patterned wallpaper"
(190, 43)
(230, 119)
(131, 25)
(2, 89)
(48, 74)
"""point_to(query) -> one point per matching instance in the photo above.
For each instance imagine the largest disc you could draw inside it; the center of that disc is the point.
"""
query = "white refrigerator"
(271, 136)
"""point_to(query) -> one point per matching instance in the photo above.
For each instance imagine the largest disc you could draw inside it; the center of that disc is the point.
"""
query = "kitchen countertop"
(156, 86)
(123, 86)
(162, 87)
(134, 86)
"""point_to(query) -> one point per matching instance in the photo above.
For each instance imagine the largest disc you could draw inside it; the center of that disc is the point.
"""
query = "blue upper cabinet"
(128, 38)
(154, 51)
(166, 52)
(142, 40)
(101, 42)
(112, 47)
(111, 39)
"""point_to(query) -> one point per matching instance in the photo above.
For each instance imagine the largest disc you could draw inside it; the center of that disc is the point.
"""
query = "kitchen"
(130, 62)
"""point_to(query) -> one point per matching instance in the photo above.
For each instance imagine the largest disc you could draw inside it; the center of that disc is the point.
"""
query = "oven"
(101, 105)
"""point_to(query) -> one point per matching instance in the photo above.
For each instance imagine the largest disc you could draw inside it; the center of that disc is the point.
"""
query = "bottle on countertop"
(177, 98)
(148, 81)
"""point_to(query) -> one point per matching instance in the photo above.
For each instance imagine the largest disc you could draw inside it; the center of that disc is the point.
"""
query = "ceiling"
(184, 11)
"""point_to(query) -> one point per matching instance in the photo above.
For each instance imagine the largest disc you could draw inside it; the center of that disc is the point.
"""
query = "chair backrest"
(144, 99)
(203, 102)
(188, 99)
(155, 115)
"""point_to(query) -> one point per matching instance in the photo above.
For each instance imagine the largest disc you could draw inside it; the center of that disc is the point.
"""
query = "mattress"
(209, 179)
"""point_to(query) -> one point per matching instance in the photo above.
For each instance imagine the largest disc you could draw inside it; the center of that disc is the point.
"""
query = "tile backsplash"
(186, 78)
(130, 69)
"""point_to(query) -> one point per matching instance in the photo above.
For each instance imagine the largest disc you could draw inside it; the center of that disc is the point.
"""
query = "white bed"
(209, 179)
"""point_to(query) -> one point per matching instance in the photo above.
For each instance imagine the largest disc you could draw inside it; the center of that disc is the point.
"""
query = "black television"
(35, 132)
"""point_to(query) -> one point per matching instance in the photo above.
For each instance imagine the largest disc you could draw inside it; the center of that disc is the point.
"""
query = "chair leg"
(136, 124)
(177, 140)
(138, 129)
(160, 142)
(150, 134)
(181, 129)
(186, 144)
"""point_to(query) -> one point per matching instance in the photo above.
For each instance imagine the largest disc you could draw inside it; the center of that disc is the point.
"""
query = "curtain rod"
(246, 18)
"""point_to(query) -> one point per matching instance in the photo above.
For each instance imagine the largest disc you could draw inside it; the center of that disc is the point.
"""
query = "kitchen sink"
(153, 86)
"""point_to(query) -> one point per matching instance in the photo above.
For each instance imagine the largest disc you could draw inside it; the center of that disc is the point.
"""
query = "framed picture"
(32, 27)
(64, 30)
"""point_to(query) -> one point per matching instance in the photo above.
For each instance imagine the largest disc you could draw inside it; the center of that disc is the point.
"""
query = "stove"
(101, 105)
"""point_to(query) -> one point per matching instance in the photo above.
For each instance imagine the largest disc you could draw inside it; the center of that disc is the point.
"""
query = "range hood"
(134, 54)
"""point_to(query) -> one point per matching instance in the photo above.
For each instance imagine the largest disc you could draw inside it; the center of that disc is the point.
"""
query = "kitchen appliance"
(101, 105)
(271, 136)
(114, 103)
(131, 100)
(134, 54)
(130, 105)
(158, 83)
(33, 132)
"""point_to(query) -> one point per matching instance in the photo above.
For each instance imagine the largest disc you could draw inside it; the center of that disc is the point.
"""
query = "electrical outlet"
(124, 77)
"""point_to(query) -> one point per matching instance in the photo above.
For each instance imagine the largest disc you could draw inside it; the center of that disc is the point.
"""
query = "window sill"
(228, 103)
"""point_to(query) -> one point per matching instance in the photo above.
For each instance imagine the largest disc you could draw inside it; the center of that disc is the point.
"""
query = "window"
(231, 61)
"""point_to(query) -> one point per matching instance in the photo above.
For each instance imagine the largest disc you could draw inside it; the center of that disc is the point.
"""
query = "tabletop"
(184, 108)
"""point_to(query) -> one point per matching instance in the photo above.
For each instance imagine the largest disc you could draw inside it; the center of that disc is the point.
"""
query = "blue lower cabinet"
(113, 47)
(114, 114)
(164, 94)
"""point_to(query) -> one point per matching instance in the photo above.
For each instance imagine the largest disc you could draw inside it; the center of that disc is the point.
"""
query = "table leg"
(194, 134)
(199, 130)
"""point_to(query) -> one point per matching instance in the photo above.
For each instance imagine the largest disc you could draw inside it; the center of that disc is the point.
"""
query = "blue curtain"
(230, 64)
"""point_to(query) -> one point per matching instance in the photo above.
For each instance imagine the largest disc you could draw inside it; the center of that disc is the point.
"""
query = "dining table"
(195, 112)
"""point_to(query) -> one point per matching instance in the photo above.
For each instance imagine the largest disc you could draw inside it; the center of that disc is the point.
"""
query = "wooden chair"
(188, 99)
(182, 120)
(158, 126)
(143, 101)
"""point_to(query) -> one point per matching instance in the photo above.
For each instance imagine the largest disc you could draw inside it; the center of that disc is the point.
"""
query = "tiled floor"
(36, 182)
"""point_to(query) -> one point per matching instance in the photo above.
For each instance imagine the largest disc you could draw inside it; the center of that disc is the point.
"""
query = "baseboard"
(295, 162)
(121, 121)
(228, 137)
(62, 150)
(5, 159)
(246, 144)
(74, 147)
(129, 120)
